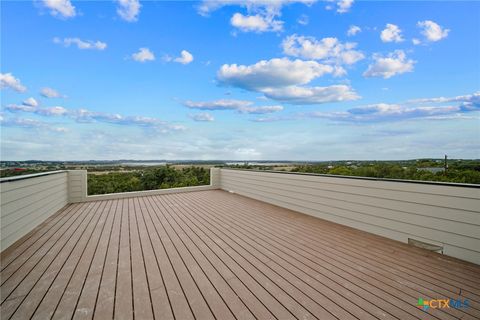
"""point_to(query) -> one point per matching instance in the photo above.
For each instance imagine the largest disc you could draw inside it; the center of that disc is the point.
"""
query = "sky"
(239, 80)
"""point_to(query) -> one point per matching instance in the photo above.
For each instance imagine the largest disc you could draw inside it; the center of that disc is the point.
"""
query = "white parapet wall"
(445, 215)
(77, 185)
(27, 201)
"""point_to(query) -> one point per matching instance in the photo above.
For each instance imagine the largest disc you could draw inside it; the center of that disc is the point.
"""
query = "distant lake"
(143, 164)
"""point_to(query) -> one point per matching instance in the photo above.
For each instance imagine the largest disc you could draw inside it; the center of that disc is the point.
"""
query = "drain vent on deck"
(425, 245)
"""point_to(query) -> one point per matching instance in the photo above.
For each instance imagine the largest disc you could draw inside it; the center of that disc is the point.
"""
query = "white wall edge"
(123, 195)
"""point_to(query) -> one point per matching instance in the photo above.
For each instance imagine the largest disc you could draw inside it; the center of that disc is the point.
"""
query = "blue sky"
(293, 80)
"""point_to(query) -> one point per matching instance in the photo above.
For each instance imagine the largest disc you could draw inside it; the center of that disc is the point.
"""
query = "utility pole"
(445, 164)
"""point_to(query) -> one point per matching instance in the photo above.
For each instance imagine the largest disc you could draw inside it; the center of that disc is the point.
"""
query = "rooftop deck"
(217, 255)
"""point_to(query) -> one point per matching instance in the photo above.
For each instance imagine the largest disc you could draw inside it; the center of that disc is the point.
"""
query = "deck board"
(216, 255)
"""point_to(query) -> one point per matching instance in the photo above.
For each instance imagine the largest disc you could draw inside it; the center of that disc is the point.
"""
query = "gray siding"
(444, 215)
(77, 185)
(28, 202)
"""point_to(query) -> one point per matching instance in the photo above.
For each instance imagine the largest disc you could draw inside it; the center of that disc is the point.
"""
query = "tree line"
(461, 173)
(147, 179)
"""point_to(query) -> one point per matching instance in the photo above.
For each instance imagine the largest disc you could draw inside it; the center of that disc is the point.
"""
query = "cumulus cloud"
(393, 64)
(311, 95)
(143, 55)
(271, 73)
(353, 30)
(329, 49)
(51, 93)
(432, 31)
(222, 104)
(207, 6)
(203, 116)
(261, 109)
(255, 23)
(7, 80)
(391, 33)
(416, 41)
(30, 102)
(283, 80)
(185, 57)
(262, 16)
(52, 111)
(128, 10)
(60, 8)
(344, 5)
(81, 44)
(241, 106)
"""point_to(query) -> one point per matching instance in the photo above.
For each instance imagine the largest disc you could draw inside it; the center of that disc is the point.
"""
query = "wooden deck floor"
(215, 255)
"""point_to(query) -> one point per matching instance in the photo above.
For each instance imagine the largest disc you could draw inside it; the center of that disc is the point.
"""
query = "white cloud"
(30, 123)
(432, 31)
(7, 80)
(261, 14)
(143, 55)
(241, 106)
(22, 107)
(271, 73)
(255, 23)
(185, 57)
(303, 20)
(416, 41)
(203, 116)
(282, 80)
(128, 10)
(87, 116)
(353, 30)
(52, 111)
(468, 99)
(391, 33)
(51, 93)
(385, 112)
(261, 109)
(395, 63)
(222, 104)
(329, 49)
(269, 6)
(344, 5)
(30, 102)
(311, 95)
(81, 44)
(60, 8)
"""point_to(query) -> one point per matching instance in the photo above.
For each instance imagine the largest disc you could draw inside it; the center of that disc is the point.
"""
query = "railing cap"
(438, 183)
(28, 176)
